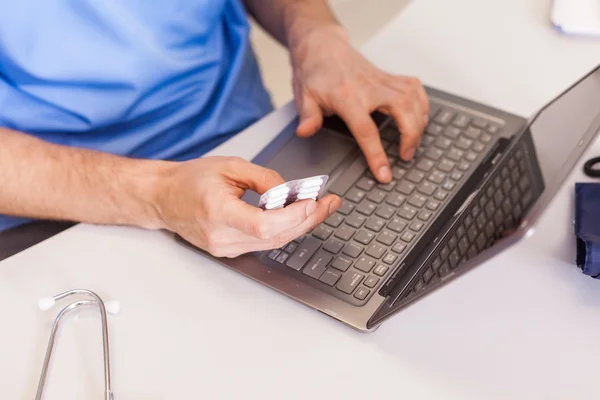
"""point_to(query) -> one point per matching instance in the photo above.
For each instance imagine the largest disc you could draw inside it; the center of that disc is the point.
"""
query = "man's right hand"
(201, 201)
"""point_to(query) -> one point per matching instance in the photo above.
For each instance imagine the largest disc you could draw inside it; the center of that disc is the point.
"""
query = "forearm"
(291, 20)
(46, 181)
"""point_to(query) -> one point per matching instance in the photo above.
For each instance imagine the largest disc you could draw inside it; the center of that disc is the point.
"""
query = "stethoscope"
(589, 170)
(95, 300)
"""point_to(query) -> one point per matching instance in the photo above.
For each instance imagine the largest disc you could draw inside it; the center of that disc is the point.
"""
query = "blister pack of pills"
(292, 191)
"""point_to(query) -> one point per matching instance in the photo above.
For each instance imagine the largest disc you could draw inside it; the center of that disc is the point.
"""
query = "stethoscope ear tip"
(113, 307)
(46, 303)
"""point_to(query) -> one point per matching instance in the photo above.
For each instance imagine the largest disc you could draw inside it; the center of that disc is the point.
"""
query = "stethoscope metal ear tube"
(95, 301)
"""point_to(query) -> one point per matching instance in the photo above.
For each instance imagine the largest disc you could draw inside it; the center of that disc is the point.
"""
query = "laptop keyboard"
(352, 253)
(498, 208)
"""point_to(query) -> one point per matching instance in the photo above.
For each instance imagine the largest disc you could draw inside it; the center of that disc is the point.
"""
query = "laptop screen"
(562, 130)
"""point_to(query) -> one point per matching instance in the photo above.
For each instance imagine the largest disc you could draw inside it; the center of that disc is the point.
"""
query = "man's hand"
(201, 202)
(330, 77)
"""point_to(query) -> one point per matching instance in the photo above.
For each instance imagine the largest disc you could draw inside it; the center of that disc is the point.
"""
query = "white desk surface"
(523, 326)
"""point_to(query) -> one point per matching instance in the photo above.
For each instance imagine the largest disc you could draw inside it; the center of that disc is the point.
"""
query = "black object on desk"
(589, 167)
(587, 223)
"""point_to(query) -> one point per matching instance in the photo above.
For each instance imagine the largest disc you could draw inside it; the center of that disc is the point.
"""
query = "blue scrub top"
(147, 79)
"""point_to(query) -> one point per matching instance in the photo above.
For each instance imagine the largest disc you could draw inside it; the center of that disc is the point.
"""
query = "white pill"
(274, 206)
(314, 189)
(311, 182)
(307, 196)
(277, 199)
(276, 192)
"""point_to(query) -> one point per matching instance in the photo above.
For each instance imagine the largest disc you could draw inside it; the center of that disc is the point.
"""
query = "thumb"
(311, 117)
(247, 175)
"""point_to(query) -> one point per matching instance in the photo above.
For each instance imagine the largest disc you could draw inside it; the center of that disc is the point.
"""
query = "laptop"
(477, 185)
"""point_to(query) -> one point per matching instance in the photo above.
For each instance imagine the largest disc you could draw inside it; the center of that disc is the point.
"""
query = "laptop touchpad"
(317, 155)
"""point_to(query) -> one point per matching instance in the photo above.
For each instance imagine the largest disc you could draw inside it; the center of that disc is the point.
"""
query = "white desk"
(523, 326)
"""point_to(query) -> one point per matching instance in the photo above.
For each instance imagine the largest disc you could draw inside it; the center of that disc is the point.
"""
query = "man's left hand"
(331, 77)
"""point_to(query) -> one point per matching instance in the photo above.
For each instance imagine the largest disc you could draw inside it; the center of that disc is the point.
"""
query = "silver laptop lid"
(561, 132)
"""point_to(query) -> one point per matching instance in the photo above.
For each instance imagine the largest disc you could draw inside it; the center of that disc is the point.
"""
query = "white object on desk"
(577, 17)
(522, 326)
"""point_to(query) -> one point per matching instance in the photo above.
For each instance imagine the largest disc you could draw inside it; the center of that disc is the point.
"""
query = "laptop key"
(444, 269)
(366, 207)
(415, 176)
(322, 232)
(481, 242)
(441, 194)
(399, 248)
(375, 224)
(416, 226)
(417, 200)
(427, 275)
(303, 253)
(452, 132)
(387, 238)
(405, 187)
(446, 165)
(464, 165)
(427, 140)
(453, 259)
(377, 196)
(350, 282)
(342, 263)
(455, 154)
(334, 246)
(443, 143)
(282, 257)
(393, 150)
(353, 250)
(356, 195)
(485, 138)
(427, 188)
(407, 236)
(480, 123)
(461, 120)
(290, 247)
(464, 143)
(318, 264)
(385, 211)
(388, 187)
(273, 254)
(395, 199)
(407, 212)
(398, 172)
(376, 250)
(371, 282)
(493, 129)
(471, 156)
(364, 237)
(364, 264)
(330, 277)
(356, 220)
(366, 184)
(381, 269)
(478, 147)
(434, 129)
(444, 117)
(397, 225)
(299, 239)
(463, 245)
(448, 185)
(335, 220)
(437, 177)
(362, 293)
(425, 215)
(390, 258)
(473, 133)
(344, 233)
(346, 207)
(433, 205)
